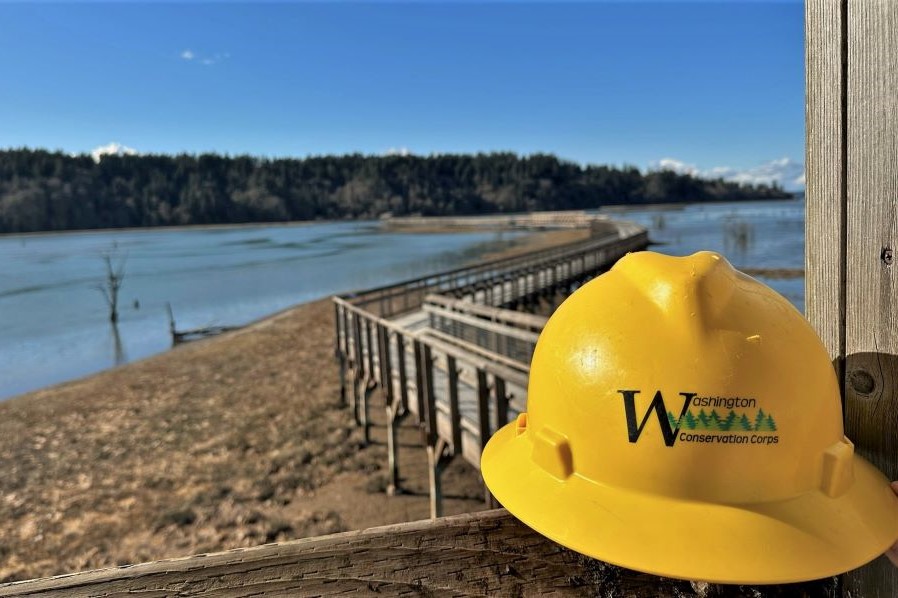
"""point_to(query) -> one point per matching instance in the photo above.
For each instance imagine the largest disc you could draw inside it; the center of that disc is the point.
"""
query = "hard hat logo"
(741, 423)
(669, 427)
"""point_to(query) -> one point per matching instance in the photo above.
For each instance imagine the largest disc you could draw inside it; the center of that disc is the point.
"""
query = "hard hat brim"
(811, 536)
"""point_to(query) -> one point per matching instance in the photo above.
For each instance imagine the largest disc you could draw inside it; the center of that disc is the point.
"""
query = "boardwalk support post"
(438, 457)
(394, 418)
(340, 349)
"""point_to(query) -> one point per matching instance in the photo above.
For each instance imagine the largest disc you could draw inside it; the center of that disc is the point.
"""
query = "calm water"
(764, 234)
(53, 320)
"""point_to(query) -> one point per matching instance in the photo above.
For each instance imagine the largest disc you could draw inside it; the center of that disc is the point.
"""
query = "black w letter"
(634, 430)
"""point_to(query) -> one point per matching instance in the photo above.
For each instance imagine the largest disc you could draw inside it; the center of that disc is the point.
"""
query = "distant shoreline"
(175, 228)
(377, 222)
(673, 205)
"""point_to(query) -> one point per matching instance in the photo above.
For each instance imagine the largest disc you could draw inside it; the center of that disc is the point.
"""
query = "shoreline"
(677, 205)
(230, 441)
(383, 222)
(174, 228)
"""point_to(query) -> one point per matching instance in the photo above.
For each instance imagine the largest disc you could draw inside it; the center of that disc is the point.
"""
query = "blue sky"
(692, 86)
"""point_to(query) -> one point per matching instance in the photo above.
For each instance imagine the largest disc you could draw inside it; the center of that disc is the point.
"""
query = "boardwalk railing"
(441, 348)
(509, 336)
(407, 296)
(530, 221)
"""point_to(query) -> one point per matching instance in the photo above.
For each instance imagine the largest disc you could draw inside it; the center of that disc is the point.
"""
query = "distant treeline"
(42, 190)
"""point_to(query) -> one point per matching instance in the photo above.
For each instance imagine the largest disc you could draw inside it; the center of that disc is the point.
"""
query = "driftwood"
(192, 334)
(481, 554)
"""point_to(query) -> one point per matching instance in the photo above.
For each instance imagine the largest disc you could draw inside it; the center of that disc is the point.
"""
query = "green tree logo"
(765, 424)
(727, 424)
(733, 422)
(704, 421)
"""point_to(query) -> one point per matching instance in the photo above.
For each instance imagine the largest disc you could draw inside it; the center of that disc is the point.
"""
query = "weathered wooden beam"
(852, 224)
(481, 554)
(871, 282)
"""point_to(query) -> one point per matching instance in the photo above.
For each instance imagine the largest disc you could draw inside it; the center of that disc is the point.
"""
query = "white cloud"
(112, 149)
(398, 151)
(206, 60)
(676, 166)
(785, 171)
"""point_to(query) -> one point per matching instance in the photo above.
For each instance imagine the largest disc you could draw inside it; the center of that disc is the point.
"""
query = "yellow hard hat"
(684, 420)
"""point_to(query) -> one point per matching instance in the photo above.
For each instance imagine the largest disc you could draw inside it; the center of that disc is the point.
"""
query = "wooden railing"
(488, 331)
(528, 221)
(406, 296)
(464, 375)
(479, 554)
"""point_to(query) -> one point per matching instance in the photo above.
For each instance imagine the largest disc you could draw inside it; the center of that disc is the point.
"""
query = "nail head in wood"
(862, 382)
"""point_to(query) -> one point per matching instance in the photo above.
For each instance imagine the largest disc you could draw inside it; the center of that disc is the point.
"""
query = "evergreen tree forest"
(51, 191)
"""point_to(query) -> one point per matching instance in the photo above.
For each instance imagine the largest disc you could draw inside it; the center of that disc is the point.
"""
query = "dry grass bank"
(233, 441)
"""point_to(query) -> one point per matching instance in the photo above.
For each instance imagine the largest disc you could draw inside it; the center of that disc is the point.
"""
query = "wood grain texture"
(871, 327)
(824, 164)
(482, 554)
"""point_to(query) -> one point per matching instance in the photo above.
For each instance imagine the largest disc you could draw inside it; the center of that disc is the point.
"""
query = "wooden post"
(403, 375)
(395, 415)
(430, 409)
(501, 403)
(483, 420)
(852, 226)
(357, 365)
(370, 370)
(438, 456)
(419, 380)
(385, 362)
(340, 349)
(365, 390)
(454, 411)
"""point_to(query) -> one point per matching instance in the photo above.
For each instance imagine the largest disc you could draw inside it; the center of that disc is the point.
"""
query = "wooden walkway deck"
(451, 351)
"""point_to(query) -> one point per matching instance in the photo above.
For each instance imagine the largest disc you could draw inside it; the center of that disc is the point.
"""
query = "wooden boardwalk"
(451, 351)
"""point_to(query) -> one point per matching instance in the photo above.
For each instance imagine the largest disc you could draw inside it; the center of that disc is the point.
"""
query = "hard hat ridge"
(695, 293)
